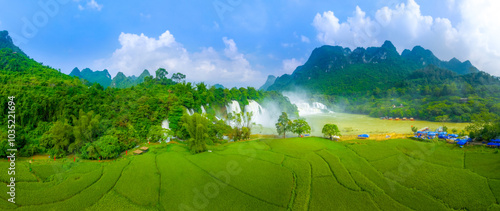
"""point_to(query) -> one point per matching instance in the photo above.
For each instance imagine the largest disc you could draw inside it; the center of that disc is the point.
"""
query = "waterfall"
(165, 124)
(203, 111)
(190, 111)
(304, 107)
(254, 107)
(233, 106)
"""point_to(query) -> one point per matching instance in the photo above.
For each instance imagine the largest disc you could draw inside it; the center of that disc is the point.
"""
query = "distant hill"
(337, 70)
(270, 81)
(101, 77)
(104, 78)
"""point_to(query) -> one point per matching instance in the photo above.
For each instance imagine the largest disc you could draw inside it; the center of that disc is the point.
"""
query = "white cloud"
(92, 4)
(147, 16)
(474, 38)
(304, 39)
(289, 65)
(139, 52)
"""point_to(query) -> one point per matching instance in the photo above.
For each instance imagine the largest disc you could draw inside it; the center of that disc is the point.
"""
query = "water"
(305, 108)
(233, 106)
(190, 111)
(203, 111)
(165, 124)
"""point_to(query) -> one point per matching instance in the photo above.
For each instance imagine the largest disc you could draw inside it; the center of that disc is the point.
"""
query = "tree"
(161, 73)
(178, 77)
(331, 130)
(242, 125)
(85, 129)
(300, 126)
(157, 133)
(197, 128)
(107, 147)
(58, 138)
(284, 124)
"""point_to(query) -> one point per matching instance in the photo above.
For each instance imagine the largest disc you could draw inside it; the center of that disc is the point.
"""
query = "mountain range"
(338, 70)
(104, 78)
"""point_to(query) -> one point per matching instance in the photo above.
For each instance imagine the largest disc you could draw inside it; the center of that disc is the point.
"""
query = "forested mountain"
(60, 114)
(334, 70)
(380, 82)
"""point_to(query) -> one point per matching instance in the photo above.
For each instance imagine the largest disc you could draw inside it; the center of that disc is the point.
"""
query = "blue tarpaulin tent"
(363, 136)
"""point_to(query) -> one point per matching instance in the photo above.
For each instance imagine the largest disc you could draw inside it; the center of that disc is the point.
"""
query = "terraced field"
(269, 174)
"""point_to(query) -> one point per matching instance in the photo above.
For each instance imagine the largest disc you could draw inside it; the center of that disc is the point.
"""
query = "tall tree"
(331, 130)
(86, 128)
(284, 124)
(161, 73)
(197, 127)
(300, 126)
(178, 77)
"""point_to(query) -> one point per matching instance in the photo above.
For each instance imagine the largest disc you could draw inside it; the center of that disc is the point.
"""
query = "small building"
(464, 100)
(137, 152)
(145, 149)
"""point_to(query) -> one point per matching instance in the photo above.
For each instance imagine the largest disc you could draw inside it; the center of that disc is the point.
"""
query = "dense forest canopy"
(60, 114)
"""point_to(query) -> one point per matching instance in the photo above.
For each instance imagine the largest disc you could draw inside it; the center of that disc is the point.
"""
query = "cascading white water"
(254, 107)
(190, 111)
(233, 106)
(166, 125)
(260, 115)
(319, 106)
(203, 111)
(305, 108)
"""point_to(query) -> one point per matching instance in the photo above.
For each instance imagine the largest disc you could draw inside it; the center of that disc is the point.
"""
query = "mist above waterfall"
(303, 102)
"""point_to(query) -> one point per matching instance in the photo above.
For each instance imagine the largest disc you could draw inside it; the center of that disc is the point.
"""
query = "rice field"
(269, 174)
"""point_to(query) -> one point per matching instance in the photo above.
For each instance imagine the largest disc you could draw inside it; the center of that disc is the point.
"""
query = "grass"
(145, 191)
(270, 174)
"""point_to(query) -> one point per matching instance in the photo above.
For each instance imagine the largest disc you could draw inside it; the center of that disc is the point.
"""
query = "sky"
(241, 42)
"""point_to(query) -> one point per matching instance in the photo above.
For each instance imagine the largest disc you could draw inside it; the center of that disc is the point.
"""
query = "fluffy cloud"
(304, 39)
(92, 4)
(289, 65)
(139, 52)
(473, 38)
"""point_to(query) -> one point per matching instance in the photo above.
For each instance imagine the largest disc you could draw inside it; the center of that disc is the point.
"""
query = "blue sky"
(240, 42)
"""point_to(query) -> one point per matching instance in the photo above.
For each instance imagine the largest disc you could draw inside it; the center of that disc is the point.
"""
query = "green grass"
(271, 174)
(71, 186)
(140, 182)
(339, 171)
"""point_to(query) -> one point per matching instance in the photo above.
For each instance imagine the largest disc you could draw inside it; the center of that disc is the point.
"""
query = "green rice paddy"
(269, 174)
